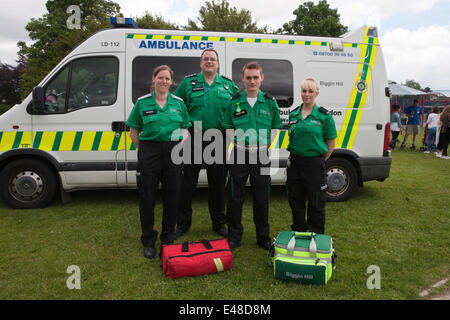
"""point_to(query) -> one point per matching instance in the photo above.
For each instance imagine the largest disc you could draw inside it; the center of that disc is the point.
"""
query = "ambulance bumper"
(376, 168)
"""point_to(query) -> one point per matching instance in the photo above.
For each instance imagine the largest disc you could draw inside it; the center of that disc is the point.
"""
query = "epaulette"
(292, 111)
(146, 96)
(268, 95)
(226, 78)
(176, 97)
(190, 75)
(237, 95)
(323, 110)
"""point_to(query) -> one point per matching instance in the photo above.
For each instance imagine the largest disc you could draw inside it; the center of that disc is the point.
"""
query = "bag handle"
(312, 244)
(185, 245)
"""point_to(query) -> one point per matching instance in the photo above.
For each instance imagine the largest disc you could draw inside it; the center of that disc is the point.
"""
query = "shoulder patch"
(268, 95)
(146, 96)
(176, 97)
(190, 75)
(237, 95)
(323, 110)
(226, 78)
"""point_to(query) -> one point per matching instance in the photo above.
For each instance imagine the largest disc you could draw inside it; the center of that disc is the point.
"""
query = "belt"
(250, 148)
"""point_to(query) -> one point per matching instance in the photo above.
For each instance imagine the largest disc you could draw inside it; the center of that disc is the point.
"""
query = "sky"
(414, 34)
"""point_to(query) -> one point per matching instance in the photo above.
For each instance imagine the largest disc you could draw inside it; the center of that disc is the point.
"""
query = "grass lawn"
(400, 225)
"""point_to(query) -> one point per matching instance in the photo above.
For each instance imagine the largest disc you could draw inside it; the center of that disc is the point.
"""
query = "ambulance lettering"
(175, 45)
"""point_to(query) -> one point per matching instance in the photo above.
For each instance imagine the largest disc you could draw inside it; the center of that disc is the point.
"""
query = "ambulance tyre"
(342, 179)
(27, 183)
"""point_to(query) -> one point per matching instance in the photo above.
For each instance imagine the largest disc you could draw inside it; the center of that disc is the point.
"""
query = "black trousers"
(444, 140)
(155, 166)
(260, 183)
(216, 174)
(306, 182)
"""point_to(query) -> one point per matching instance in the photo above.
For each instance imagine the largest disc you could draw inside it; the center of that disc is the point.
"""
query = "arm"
(330, 144)
(134, 135)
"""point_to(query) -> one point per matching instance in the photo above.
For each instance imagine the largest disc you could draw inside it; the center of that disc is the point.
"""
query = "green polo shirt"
(158, 123)
(205, 102)
(307, 137)
(255, 122)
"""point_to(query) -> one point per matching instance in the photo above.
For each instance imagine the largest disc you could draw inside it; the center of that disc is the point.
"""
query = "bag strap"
(312, 244)
(207, 244)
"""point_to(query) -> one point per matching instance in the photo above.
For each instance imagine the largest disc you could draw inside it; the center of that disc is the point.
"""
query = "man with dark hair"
(249, 119)
(412, 126)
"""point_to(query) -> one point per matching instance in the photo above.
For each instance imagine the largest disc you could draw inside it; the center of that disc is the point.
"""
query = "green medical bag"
(304, 257)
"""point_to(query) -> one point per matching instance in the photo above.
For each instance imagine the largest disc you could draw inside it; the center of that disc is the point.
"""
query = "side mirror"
(38, 100)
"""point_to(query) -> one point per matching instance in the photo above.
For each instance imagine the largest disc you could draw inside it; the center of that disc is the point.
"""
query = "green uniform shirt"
(264, 116)
(205, 102)
(307, 137)
(158, 123)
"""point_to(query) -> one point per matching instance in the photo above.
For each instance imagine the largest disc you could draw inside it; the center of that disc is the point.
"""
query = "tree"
(412, 84)
(154, 22)
(315, 20)
(53, 39)
(10, 78)
(220, 17)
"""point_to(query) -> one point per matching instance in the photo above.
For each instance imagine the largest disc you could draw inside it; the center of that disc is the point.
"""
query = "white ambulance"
(69, 133)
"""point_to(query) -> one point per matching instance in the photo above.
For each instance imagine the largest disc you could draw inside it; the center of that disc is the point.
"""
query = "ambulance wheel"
(27, 183)
(342, 179)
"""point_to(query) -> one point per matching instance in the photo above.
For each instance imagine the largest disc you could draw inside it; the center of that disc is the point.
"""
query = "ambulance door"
(82, 127)
(147, 51)
(278, 61)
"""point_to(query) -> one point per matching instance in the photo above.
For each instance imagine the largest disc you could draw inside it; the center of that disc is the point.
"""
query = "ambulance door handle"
(379, 126)
(119, 126)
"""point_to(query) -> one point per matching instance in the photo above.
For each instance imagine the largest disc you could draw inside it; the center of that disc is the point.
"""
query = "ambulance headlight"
(121, 22)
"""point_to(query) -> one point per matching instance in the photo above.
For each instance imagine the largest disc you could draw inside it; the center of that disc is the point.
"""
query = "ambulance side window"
(278, 78)
(143, 69)
(82, 83)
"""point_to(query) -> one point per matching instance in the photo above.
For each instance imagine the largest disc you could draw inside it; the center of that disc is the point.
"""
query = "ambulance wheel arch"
(342, 178)
(28, 182)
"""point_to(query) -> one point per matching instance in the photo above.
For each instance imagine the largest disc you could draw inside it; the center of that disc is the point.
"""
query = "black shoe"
(265, 245)
(221, 230)
(178, 233)
(149, 252)
(234, 244)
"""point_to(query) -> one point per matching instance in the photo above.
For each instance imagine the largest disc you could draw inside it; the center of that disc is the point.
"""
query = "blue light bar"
(121, 22)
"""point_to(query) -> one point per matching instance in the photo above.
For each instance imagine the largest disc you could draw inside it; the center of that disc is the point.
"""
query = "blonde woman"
(312, 135)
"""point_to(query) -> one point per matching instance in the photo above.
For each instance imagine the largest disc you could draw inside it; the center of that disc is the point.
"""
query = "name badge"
(240, 113)
(198, 89)
(148, 112)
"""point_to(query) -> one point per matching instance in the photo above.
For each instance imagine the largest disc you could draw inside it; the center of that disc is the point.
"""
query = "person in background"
(396, 125)
(412, 126)
(158, 121)
(431, 124)
(444, 136)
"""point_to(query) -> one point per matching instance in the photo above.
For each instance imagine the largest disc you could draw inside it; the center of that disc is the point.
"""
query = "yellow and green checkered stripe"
(66, 140)
(357, 100)
(233, 39)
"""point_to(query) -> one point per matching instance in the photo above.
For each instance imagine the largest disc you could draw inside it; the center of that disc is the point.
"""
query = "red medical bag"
(196, 258)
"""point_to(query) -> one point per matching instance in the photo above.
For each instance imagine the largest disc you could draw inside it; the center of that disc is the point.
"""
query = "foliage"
(413, 84)
(315, 20)
(53, 39)
(220, 17)
(148, 21)
(10, 78)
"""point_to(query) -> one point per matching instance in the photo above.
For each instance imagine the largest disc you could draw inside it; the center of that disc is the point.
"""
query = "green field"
(400, 225)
